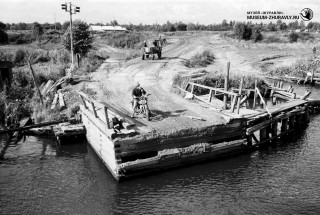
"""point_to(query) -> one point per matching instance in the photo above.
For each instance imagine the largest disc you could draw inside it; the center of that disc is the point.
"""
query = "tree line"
(174, 26)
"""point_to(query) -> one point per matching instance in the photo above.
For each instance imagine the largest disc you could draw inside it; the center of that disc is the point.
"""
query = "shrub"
(256, 35)
(3, 37)
(293, 37)
(19, 38)
(20, 57)
(242, 31)
(124, 40)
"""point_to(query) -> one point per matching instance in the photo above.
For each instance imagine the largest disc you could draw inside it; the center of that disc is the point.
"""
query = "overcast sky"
(150, 11)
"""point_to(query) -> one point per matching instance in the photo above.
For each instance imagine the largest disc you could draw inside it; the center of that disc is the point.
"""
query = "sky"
(150, 11)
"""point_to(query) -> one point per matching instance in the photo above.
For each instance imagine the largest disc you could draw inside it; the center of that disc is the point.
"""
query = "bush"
(19, 38)
(124, 40)
(20, 57)
(242, 31)
(256, 35)
(293, 37)
(3, 37)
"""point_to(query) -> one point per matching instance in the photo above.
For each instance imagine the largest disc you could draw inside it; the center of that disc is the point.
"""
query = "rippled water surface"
(40, 178)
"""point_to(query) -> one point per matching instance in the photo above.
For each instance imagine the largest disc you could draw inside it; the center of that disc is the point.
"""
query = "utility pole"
(71, 35)
(72, 10)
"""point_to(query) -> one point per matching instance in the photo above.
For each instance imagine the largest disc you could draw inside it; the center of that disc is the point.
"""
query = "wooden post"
(226, 80)
(297, 123)
(210, 96)
(263, 134)
(263, 101)
(284, 125)
(106, 115)
(35, 83)
(249, 139)
(281, 84)
(94, 110)
(240, 92)
(255, 94)
(274, 129)
(234, 103)
(192, 88)
(291, 122)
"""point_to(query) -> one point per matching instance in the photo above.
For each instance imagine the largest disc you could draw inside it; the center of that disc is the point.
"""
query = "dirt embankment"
(114, 80)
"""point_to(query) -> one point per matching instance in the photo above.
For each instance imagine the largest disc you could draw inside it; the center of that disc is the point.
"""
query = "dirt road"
(114, 80)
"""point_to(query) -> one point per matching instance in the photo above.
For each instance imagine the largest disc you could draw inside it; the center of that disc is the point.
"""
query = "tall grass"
(299, 69)
(200, 59)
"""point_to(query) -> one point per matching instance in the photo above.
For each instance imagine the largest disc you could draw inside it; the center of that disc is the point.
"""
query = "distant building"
(101, 28)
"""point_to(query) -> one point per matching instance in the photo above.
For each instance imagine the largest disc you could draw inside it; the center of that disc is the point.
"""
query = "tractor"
(156, 48)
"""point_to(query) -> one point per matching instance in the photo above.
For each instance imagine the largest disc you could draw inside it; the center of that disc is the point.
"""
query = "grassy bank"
(299, 69)
(22, 99)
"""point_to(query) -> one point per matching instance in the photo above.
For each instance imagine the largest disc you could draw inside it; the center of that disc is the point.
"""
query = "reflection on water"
(40, 178)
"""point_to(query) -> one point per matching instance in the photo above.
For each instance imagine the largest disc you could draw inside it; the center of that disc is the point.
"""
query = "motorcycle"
(142, 107)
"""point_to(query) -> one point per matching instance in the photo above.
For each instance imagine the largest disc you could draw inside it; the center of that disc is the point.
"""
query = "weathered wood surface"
(182, 156)
(141, 143)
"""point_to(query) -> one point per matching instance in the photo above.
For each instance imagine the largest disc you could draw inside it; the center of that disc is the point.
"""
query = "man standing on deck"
(137, 92)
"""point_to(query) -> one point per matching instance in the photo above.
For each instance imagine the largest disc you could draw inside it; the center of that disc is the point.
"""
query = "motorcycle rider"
(137, 92)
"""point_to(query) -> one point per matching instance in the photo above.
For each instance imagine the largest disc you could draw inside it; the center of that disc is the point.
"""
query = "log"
(61, 101)
(46, 87)
(55, 100)
(32, 126)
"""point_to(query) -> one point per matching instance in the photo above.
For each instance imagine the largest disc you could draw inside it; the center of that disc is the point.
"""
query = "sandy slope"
(115, 78)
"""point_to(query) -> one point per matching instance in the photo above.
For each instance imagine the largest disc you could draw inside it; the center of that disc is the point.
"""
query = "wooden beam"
(210, 95)
(215, 89)
(84, 102)
(106, 115)
(94, 110)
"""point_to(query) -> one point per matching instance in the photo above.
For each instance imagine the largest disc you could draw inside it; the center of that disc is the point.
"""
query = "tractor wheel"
(159, 54)
(143, 57)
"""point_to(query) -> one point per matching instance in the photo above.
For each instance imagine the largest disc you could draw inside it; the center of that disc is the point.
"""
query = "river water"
(38, 177)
